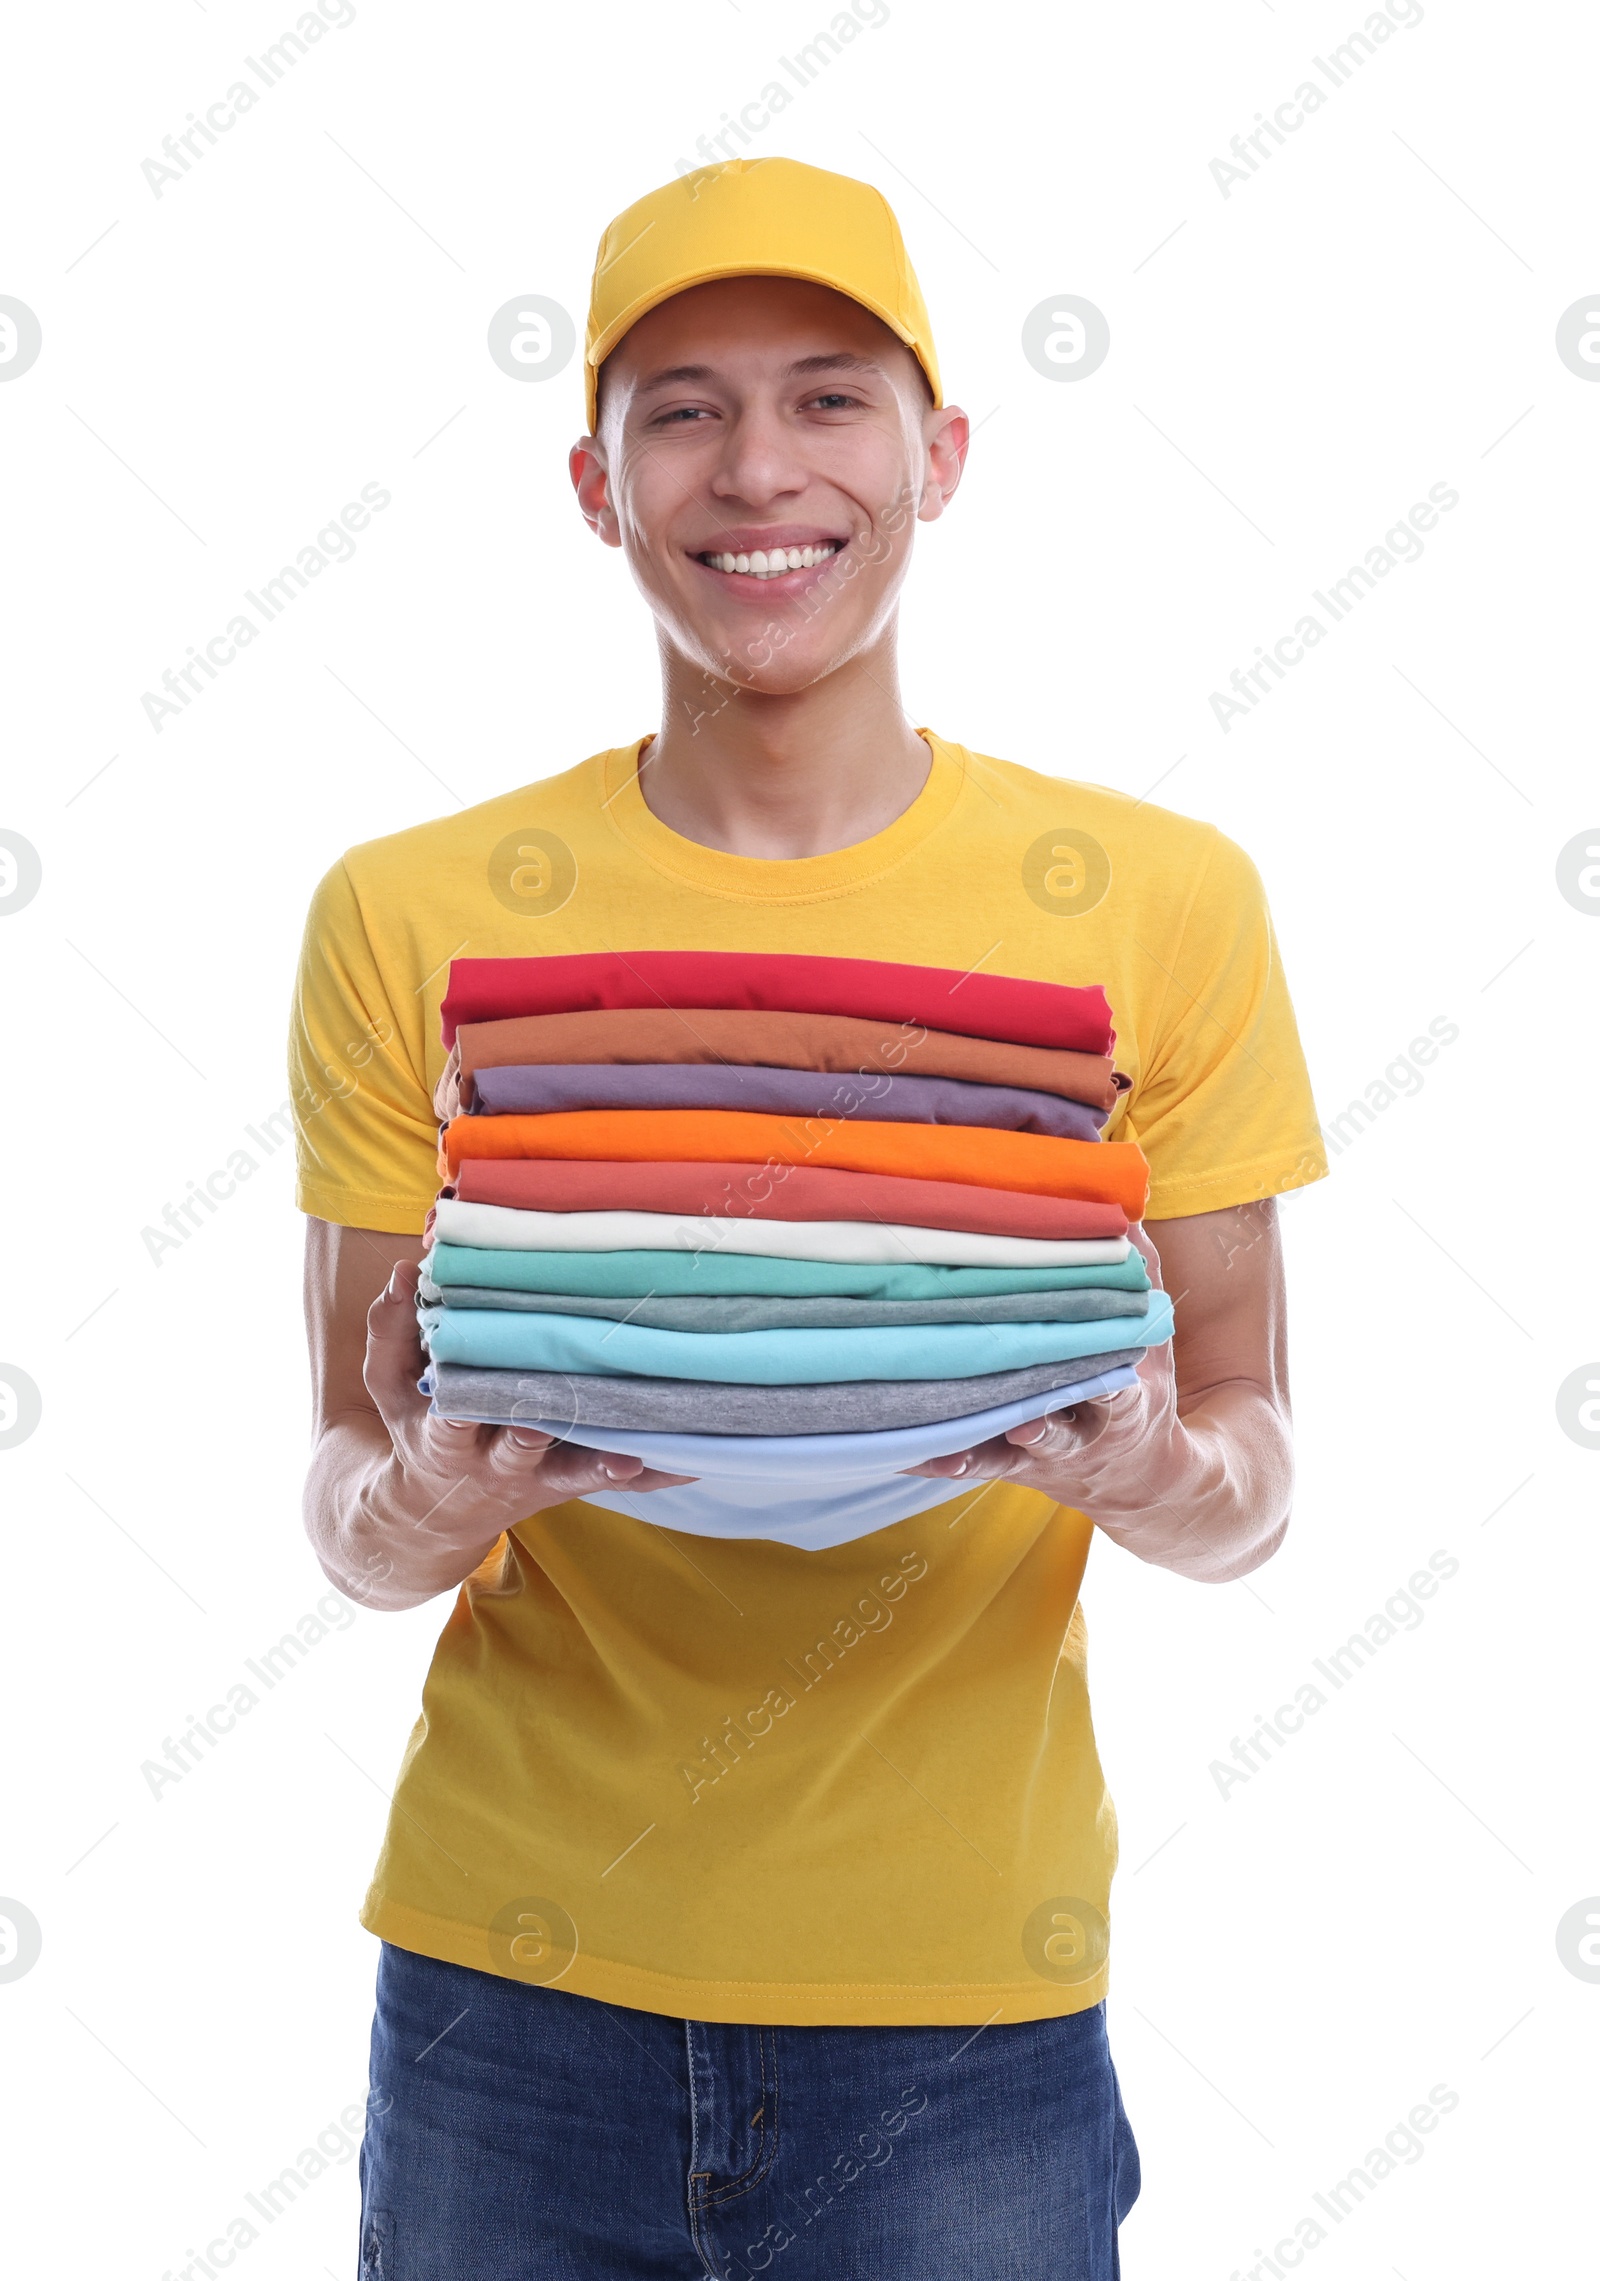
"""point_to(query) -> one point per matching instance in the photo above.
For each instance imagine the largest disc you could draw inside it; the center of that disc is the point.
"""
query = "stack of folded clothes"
(786, 1225)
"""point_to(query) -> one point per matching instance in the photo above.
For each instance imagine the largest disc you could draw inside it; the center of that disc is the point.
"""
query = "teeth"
(775, 562)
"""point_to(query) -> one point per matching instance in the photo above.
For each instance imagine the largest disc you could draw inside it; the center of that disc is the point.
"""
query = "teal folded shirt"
(588, 1347)
(672, 1274)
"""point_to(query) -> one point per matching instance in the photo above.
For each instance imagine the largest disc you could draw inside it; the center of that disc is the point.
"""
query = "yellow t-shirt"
(733, 1780)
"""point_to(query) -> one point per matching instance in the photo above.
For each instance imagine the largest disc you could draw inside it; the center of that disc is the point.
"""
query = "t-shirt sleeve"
(365, 1132)
(1223, 1107)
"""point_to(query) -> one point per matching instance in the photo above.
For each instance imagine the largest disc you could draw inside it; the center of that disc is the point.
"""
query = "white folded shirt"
(499, 1227)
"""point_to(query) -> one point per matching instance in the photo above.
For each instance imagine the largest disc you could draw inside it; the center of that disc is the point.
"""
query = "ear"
(945, 437)
(586, 464)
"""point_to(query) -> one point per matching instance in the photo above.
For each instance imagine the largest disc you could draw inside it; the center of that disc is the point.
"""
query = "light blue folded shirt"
(812, 1491)
(593, 1348)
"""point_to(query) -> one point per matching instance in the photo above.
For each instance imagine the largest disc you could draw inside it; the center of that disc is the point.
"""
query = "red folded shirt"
(773, 1192)
(1057, 1014)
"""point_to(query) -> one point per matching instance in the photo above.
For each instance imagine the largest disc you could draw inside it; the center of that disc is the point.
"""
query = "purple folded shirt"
(539, 1089)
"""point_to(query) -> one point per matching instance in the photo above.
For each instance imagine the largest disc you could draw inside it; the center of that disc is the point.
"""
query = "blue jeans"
(522, 2134)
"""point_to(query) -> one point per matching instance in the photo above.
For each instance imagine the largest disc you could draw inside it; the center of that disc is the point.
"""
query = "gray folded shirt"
(715, 1313)
(689, 1406)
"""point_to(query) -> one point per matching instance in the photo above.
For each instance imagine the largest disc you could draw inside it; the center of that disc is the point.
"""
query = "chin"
(780, 655)
(776, 672)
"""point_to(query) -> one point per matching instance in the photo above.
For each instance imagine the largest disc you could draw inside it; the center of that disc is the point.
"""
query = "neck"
(784, 776)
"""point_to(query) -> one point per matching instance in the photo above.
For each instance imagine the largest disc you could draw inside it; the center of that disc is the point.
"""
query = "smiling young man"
(743, 1907)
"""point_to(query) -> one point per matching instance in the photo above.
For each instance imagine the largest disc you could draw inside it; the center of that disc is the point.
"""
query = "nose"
(759, 463)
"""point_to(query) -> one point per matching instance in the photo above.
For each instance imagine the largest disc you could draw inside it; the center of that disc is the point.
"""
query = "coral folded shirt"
(1106, 1172)
(838, 1042)
(543, 1089)
(1056, 1014)
(801, 1192)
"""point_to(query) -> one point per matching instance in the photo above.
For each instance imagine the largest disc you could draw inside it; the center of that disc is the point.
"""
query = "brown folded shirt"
(837, 1042)
(774, 1192)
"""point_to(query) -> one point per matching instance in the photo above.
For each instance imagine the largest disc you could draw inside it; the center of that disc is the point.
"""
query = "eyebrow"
(674, 373)
(836, 360)
(832, 360)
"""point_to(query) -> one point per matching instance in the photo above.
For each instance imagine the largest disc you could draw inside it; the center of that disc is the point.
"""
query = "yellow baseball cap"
(755, 217)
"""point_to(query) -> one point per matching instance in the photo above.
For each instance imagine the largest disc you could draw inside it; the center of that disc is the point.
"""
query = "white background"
(1292, 366)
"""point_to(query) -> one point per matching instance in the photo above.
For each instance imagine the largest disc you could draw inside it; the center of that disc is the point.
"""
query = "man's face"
(765, 449)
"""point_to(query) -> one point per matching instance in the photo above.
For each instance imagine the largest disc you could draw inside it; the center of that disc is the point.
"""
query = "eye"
(835, 400)
(681, 415)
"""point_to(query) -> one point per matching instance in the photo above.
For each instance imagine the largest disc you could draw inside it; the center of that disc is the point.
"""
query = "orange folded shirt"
(1036, 1164)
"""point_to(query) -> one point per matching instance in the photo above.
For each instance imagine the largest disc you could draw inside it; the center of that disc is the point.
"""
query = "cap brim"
(624, 323)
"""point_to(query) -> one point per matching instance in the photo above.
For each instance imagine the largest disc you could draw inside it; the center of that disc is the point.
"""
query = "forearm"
(1206, 1493)
(371, 1536)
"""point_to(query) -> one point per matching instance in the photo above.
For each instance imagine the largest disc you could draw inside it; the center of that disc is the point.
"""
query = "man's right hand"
(401, 1505)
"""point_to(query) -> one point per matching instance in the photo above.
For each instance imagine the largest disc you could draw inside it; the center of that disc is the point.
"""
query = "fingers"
(577, 1471)
(557, 1470)
(524, 1437)
(1038, 1438)
(1038, 1441)
(989, 1461)
(392, 1316)
(515, 1467)
(948, 1468)
(1139, 1237)
(393, 1361)
(643, 1480)
(570, 1470)
(395, 1307)
(1052, 1436)
(1071, 1432)
(484, 1454)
